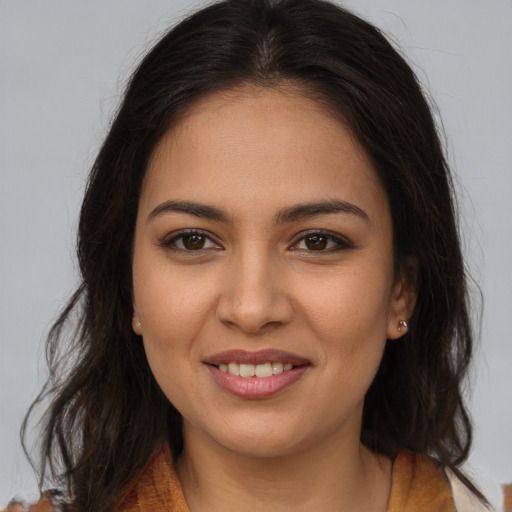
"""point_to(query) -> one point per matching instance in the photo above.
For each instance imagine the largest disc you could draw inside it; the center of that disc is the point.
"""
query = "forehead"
(241, 144)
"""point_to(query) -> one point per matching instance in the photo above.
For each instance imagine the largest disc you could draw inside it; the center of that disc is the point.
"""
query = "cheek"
(172, 319)
(172, 313)
(351, 304)
(349, 316)
(171, 302)
(175, 312)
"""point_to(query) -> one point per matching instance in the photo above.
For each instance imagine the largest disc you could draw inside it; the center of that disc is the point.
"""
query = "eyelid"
(171, 238)
(340, 241)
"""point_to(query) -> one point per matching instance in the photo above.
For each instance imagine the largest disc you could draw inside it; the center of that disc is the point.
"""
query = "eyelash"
(171, 242)
(340, 243)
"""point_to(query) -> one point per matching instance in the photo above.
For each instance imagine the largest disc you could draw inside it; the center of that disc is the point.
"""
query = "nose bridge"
(253, 297)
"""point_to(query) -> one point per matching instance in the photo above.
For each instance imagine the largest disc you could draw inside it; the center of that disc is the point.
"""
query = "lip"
(257, 388)
(254, 388)
(258, 357)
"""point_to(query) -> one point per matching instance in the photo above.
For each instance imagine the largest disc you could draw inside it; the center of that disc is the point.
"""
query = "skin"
(256, 284)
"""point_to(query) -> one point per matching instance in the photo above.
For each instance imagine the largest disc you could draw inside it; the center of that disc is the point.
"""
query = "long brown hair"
(106, 414)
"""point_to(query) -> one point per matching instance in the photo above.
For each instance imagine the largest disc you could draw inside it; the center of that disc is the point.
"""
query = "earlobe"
(403, 300)
(136, 323)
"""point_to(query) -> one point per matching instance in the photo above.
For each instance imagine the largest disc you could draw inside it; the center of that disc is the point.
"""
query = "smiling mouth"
(255, 370)
(256, 375)
(263, 363)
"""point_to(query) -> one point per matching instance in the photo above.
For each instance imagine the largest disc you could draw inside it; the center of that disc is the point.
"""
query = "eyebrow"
(192, 208)
(290, 214)
(307, 210)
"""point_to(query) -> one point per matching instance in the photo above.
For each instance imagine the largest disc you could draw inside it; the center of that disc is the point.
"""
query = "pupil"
(316, 242)
(193, 242)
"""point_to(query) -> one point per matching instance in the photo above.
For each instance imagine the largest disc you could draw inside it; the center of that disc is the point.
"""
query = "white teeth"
(234, 368)
(258, 370)
(247, 370)
(277, 368)
(263, 370)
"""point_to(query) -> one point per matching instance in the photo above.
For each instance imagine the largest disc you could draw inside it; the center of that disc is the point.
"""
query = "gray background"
(63, 65)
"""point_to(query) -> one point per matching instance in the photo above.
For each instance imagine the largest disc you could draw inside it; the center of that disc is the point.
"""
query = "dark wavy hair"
(106, 414)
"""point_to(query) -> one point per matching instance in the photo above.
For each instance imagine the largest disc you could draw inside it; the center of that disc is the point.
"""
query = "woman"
(273, 311)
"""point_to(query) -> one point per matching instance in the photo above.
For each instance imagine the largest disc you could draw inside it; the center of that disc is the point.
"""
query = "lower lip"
(257, 387)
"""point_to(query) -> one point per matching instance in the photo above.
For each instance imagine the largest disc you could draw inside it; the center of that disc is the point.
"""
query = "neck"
(333, 475)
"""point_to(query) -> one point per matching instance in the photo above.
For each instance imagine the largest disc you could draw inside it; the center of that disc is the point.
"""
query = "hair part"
(107, 415)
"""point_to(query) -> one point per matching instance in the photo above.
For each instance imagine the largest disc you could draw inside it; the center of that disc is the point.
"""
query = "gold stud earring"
(403, 326)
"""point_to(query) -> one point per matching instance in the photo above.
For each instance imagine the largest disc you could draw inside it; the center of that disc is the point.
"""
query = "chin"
(260, 446)
(265, 439)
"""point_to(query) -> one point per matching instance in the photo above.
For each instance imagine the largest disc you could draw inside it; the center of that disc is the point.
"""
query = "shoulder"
(507, 497)
(156, 488)
(419, 483)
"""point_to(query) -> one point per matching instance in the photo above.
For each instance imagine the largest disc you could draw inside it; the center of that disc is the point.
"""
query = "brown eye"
(190, 241)
(193, 242)
(316, 242)
(321, 242)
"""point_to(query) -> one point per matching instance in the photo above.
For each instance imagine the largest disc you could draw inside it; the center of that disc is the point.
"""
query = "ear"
(403, 299)
(136, 323)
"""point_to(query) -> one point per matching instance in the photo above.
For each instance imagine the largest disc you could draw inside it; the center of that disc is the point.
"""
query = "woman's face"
(263, 243)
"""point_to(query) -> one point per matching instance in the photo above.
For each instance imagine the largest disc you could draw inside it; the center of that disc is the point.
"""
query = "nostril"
(253, 314)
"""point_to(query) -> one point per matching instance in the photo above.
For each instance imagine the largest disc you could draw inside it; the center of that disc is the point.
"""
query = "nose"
(254, 295)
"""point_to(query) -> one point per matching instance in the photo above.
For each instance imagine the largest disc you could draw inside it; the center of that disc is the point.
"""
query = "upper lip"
(259, 357)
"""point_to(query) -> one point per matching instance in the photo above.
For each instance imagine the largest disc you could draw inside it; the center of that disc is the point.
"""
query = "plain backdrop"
(63, 66)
